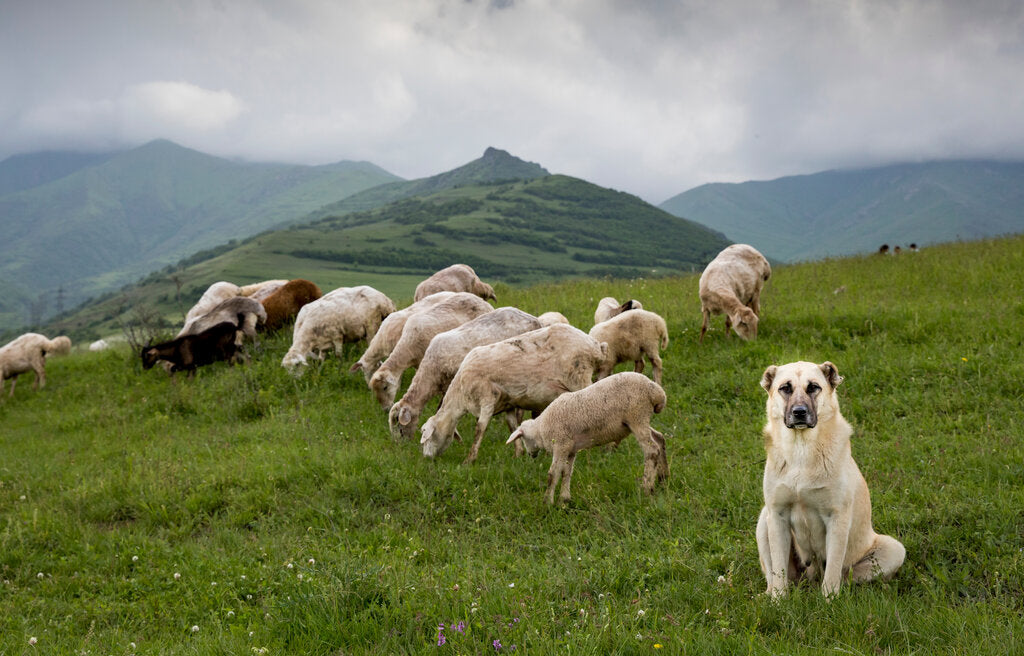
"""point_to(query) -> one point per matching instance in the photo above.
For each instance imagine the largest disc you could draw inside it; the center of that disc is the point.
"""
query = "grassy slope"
(244, 479)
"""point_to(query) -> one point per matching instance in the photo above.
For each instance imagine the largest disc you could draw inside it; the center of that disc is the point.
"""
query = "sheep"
(443, 357)
(552, 317)
(608, 307)
(28, 353)
(603, 413)
(287, 300)
(419, 329)
(244, 312)
(214, 294)
(883, 249)
(190, 351)
(731, 284)
(630, 336)
(258, 291)
(346, 314)
(456, 278)
(389, 333)
(528, 371)
(99, 345)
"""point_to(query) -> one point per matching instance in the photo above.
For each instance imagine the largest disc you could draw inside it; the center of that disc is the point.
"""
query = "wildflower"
(135, 559)
(177, 575)
(131, 645)
(721, 579)
(312, 562)
(299, 576)
(195, 628)
(511, 585)
(289, 566)
(40, 575)
(231, 613)
(32, 640)
(641, 613)
(657, 645)
(455, 587)
(639, 637)
(496, 644)
(964, 359)
(460, 627)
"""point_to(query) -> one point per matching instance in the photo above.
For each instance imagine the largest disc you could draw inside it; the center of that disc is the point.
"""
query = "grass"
(297, 526)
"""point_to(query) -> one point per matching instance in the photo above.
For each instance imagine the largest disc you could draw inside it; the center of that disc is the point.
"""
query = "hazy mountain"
(854, 211)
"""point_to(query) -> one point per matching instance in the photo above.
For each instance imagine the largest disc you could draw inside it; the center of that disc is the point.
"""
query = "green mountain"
(844, 212)
(547, 228)
(74, 226)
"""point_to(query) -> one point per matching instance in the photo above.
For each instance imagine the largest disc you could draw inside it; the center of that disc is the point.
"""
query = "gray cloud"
(650, 98)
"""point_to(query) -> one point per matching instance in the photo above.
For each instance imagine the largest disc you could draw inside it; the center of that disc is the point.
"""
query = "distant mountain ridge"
(845, 212)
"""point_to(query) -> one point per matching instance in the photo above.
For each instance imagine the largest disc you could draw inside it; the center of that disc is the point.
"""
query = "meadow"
(246, 512)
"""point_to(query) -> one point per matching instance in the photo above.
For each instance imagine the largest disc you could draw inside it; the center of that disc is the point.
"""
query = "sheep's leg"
(567, 464)
(512, 419)
(40, 369)
(652, 454)
(554, 475)
(638, 365)
(655, 364)
(662, 468)
(704, 326)
(755, 303)
(481, 428)
(728, 326)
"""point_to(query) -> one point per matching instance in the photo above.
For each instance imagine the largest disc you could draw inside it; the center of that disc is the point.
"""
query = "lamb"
(258, 291)
(603, 413)
(190, 351)
(214, 294)
(552, 317)
(346, 314)
(244, 312)
(608, 307)
(443, 357)
(528, 371)
(419, 329)
(28, 353)
(287, 300)
(456, 278)
(731, 284)
(630, 336)
(389, 333)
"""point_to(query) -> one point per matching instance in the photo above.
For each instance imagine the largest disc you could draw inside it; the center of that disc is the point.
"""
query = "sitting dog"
(817, 510)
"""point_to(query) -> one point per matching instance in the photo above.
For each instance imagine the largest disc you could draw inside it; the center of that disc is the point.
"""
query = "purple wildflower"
(440, 635)
(496, 644)
(460, 627)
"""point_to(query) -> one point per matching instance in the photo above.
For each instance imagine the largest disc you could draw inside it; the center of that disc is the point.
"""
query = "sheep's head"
(385, 386)
(744, 322)
(486, 292)
(294, 363)
(402, 421)
(528, 437)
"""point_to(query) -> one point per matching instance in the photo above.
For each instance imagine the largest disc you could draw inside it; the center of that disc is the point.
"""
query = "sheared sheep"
(28, 353)
(456, 278)
(630, 336)
(99, 345)
(528, 371)
(603, 413)
(258, 291)
(443, 357)
(187, 352)
(552, 317)
(287, 300)
(347, 314)
(608, 307)
(214, 294)
(419, 329)
(389, 333)
(731, 284)
(244, 312)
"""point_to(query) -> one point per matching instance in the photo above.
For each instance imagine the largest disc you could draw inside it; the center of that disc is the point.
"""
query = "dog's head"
(801, 393)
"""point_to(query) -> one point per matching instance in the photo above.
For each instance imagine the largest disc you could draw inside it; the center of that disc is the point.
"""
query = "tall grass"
(246, 511)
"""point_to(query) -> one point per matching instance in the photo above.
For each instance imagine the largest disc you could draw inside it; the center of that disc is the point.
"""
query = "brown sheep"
(286, 302)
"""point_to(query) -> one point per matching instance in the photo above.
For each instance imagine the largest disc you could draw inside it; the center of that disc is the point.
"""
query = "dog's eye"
(813, 387)
(786, 388)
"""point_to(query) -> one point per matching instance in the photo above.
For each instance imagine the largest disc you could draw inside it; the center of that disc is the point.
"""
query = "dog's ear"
(831, 374)
(768, 377)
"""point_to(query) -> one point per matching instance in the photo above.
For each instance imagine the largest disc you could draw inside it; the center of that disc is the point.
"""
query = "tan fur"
(456, 278)
(214, 294)
(285, 303)
(630, 336)
(816, 518)
(29, 353)
(258, 291)
(608, 307)
(731, 284)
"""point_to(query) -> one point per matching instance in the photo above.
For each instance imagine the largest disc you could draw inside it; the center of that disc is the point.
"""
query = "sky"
(649, 97)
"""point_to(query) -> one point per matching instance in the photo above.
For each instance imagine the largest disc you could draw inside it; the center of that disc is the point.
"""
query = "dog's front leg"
(780, 541)
(837, 536)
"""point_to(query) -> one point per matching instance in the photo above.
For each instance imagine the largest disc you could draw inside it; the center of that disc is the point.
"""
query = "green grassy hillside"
(515, 232)
(247, 512)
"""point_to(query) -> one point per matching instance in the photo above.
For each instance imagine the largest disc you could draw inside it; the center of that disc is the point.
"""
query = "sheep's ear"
(831, 374)
(404, 416)
(604, 349)
(516, 434)
(358, 366)
(768, 377)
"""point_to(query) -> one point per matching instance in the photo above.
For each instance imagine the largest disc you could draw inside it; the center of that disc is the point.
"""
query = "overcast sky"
(652, 97)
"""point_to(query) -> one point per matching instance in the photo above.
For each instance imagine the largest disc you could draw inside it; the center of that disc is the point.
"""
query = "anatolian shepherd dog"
(817, 510)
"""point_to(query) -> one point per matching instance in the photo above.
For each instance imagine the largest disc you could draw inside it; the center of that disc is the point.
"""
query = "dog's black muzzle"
(800, 416)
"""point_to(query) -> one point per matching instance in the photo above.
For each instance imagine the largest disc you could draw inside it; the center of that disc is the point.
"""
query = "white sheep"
(29, 353)
(528, 371)
(390, 332)
(99, 345)
(245, 313)
(214, 294)
(549, 318)
(731, 284)
(630, 336)
(419, 329)
(347, 314)
(608, 307)
(443, 357)
(456, 278)
(603, 413)
(258, 291)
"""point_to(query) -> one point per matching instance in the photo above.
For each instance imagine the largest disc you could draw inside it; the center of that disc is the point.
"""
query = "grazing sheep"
(389, 333)
(29, 353)
(603, 413)
(347, 314)
(286, 302)
(258, 291)
(190, 351)
(214, 294)
(243, 312)
(913, 247)
(883, 249)
(419, 329)
(528, 371)
(99, 345)
(731, 284)
(443, 357)
(549, 318)
(630, 336)
(608, 307)
(456, 278)
(896, 250)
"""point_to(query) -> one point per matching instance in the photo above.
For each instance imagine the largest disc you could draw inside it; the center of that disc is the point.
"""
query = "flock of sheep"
(480, 360)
